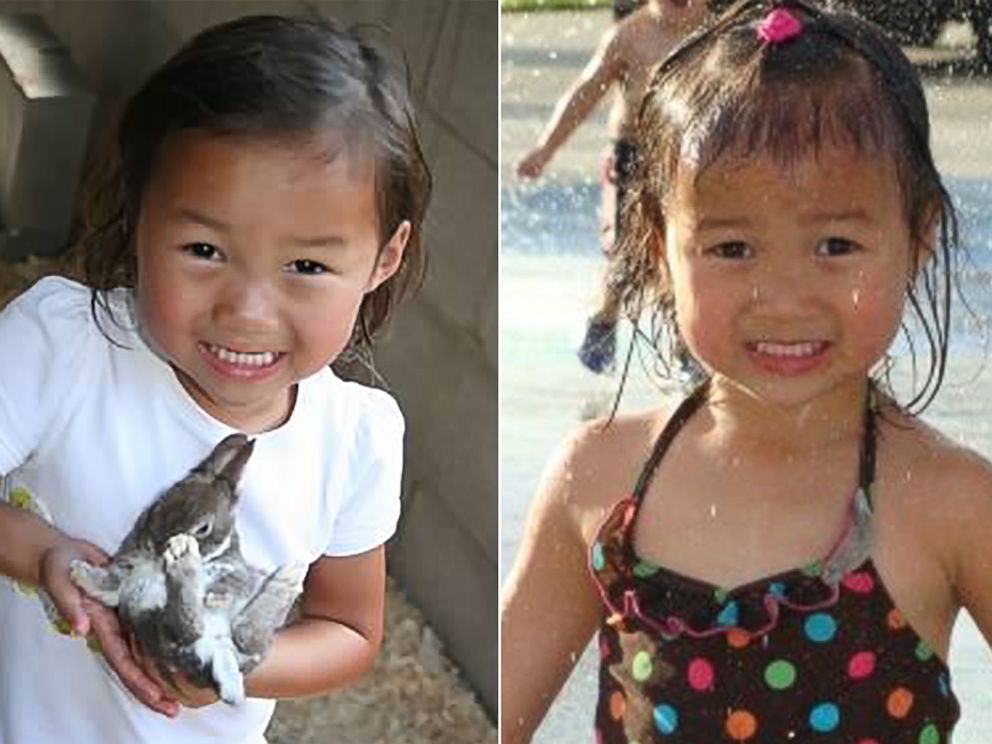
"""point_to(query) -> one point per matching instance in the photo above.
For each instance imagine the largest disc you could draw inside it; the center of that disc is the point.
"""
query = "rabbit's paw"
(96, 581)
(181, 548)
(290, 576)
(230, 682)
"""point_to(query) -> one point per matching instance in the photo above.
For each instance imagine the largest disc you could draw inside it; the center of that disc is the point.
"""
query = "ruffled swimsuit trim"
(815, 653)
(633, 589)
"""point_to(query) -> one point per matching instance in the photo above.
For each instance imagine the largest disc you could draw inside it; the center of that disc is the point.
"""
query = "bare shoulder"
(630, 33)
(641, 40)
(600, 462)
(945, 485)
(936, 459)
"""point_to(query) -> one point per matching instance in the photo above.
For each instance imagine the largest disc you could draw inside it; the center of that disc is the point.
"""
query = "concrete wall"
(440, 355)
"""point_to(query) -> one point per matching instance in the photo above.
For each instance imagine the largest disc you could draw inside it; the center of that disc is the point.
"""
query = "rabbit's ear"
(228, 458)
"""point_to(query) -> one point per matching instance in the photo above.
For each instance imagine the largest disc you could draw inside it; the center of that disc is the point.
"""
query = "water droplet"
(713, 511)
(856, 297)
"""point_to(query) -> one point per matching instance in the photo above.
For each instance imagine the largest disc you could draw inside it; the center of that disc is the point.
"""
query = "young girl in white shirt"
(260, 214)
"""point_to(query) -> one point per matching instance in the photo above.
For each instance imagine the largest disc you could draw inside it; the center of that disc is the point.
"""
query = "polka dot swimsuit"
(819, 653)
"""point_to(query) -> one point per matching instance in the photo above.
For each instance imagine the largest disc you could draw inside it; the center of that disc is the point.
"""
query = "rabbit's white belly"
(216, 650)
(216, 635)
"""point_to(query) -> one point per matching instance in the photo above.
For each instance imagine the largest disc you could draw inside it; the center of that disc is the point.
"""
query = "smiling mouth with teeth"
(253, 359)
(787, 348)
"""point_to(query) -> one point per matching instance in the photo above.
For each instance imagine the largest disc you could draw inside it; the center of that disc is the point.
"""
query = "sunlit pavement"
(543, 52)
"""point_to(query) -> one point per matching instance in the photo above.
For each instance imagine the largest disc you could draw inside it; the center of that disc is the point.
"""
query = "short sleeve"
(43, 335)
(371, 507)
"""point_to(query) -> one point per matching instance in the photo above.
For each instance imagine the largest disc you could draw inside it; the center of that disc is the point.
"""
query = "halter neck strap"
(697, 398)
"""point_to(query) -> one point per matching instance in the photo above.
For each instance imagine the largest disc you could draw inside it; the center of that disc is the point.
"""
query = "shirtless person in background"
(625, 56)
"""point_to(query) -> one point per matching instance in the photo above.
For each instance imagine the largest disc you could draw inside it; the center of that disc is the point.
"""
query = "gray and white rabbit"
(182, 587)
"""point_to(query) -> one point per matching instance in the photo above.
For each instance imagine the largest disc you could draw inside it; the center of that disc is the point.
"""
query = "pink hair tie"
(778, 26)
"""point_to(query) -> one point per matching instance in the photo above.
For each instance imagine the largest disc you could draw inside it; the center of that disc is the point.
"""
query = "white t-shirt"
(91, 433)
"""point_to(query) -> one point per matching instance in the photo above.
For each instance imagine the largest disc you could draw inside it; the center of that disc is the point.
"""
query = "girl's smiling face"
(253, 260)
(789, 282)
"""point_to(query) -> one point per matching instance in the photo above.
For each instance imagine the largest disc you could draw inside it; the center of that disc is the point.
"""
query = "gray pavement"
(543, 52)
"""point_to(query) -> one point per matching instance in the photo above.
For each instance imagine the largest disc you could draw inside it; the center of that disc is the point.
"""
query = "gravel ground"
(412, 695)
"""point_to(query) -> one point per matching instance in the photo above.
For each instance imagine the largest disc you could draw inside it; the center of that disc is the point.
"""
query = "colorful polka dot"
(700, 673)
(820, 627)
(929, 734)
(867, 741)
(895, 620)
(737, 638)
(812, 569)
(741, 725)
(899, 702)
(720, 595)
(644, 570)
(943, 684)
(728, 615)
(618, 704)
(641, 666)
(666, 718)
(824, 717)
(861, 665)
(859, 582)
(923, 651)
(598, 557)
(777, 589)
(780, 674)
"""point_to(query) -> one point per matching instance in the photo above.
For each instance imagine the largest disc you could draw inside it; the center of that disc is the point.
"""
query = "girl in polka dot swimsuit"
(780, 556)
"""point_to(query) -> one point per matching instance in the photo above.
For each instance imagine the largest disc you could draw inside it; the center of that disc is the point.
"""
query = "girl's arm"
(549, 606)
(965, 531)
(338, 634)
(604, 69)
(26, 538)
(38, 554)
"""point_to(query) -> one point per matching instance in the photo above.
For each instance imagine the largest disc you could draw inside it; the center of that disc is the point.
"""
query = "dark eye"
(204, 528)
(733, 249)
(836, 247)
(306, 266)
(202, 250)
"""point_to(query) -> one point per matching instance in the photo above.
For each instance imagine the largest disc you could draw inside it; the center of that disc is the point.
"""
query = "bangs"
(788, 120)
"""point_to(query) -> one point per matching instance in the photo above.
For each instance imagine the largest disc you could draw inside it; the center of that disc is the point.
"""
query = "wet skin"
(790, 282)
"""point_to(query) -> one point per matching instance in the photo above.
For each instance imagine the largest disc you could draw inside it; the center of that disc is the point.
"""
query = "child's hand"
(53, 576)
(88, 617)
(181, 690)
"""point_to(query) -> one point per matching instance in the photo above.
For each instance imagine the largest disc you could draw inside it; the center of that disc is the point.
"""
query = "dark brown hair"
(841, 82)
(286, 79)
